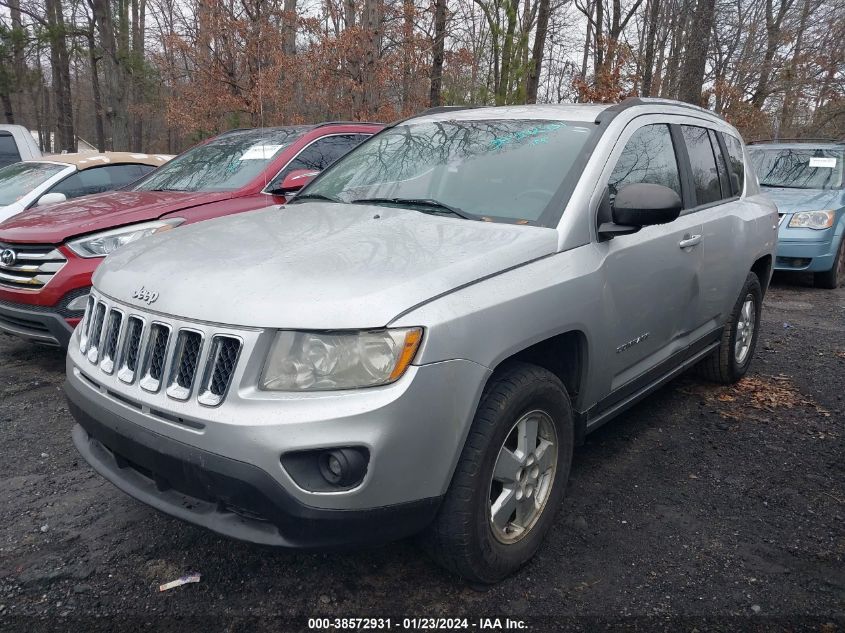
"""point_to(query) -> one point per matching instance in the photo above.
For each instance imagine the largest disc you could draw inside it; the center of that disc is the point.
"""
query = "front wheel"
(510, 478)
(730, 362)
(834, 277)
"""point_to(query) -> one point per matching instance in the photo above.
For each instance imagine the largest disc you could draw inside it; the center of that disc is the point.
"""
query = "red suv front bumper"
(42, 313)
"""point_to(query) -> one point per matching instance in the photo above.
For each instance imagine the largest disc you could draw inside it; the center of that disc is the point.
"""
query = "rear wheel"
(730, 361)
(834, 277)
(510, 479)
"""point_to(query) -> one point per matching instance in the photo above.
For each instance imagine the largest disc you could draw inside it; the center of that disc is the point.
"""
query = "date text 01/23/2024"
(417, 624)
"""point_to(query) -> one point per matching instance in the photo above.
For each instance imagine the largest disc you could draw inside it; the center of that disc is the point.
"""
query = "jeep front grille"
(185, 361)
(218, 373)
(29, 266)
(149, 352)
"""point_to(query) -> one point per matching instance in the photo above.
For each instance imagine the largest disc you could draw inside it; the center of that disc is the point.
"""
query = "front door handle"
(689, 240)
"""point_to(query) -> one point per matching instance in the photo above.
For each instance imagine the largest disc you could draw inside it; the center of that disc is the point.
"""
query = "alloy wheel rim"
(744, 330)
(523, 476)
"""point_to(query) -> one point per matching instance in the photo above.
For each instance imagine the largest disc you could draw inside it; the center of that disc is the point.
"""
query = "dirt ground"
(703, 508)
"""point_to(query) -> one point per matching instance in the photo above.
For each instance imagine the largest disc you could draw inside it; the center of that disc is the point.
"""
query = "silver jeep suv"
(417, 343)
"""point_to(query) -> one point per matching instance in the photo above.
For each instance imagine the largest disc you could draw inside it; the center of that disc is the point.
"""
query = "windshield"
(225, 163)
(19, 179)
(799, 168)
(504, 170)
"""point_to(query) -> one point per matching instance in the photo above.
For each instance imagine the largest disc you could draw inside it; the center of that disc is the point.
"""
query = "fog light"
(327, 469)
(343, 466)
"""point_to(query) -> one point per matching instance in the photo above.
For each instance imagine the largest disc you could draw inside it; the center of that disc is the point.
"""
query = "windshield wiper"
(436, 205)
(314, 196)
(771, 186)
(167, 189)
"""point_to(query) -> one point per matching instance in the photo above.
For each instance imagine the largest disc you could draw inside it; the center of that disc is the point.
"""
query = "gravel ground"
(703, 508)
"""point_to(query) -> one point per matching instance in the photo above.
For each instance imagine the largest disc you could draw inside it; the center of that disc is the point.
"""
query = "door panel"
(651, 290)
(652, 295)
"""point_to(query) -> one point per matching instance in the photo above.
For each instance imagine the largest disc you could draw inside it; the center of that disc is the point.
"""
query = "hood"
(790, 200)
(315, 265)
(56, 223)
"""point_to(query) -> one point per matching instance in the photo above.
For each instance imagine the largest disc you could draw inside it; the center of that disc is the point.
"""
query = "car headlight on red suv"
(105, 242)
(812, 220)
(321, 361)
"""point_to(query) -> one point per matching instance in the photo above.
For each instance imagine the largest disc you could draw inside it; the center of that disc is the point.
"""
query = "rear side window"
(322, 153)
(705, 175)
(100, 179)
(648, 157)
(8, 149)
(737, 164)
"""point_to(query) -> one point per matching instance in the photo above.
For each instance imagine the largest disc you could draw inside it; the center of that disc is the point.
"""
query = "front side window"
(19, 179)
(799, 168)
(321, 153)
(8, 149)
(496, 170)
(226, 163)
(705, 175)
(648, 157)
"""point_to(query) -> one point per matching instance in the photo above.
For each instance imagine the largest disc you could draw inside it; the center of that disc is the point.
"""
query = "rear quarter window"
(735, 162)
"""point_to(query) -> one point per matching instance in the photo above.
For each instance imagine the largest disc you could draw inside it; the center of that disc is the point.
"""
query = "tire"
(462, 537)
(834, 277)
(726, 365)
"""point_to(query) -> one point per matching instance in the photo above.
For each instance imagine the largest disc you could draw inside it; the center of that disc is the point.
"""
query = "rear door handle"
(689, 240)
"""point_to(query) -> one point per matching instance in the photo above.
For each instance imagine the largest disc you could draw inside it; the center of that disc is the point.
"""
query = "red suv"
(48, 254)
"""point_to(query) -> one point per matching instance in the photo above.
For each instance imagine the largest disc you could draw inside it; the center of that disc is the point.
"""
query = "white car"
(61, 177)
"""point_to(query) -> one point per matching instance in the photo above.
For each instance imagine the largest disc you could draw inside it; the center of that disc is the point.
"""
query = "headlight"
(812, 220)
(319, 361)
(101, 244)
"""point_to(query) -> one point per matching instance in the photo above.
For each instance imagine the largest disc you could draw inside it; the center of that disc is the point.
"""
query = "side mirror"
(641, 204)
(50, 198)
(296, 180)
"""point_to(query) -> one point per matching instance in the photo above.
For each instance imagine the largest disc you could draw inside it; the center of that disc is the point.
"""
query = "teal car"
(807, 182)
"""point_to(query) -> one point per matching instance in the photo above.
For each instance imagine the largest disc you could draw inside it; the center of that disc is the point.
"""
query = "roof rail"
(449, 108)
(797, 140)
(631, 102)
(324, 123)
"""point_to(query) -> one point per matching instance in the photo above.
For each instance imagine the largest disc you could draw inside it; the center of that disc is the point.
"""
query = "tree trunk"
(438, 52)
(695, 59)
(8, 111)
(60, 65)
(788, 111)
(537, 51)
(407, 46)
(587, 41)
(648, 63)
(95, 91)
(773, 24)
(289, 28)
(507, 53)
(117, 132)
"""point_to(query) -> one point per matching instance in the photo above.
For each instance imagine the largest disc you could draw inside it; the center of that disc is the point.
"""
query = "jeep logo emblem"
(8, 257)
(142, 294)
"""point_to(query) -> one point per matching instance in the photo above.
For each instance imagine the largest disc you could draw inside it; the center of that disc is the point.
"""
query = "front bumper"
(806, 249)
(229, 477)
(36, 324)
(227, 496)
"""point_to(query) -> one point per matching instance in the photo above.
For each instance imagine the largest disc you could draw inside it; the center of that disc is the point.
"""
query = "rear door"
(652, 289)
(717, 189)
